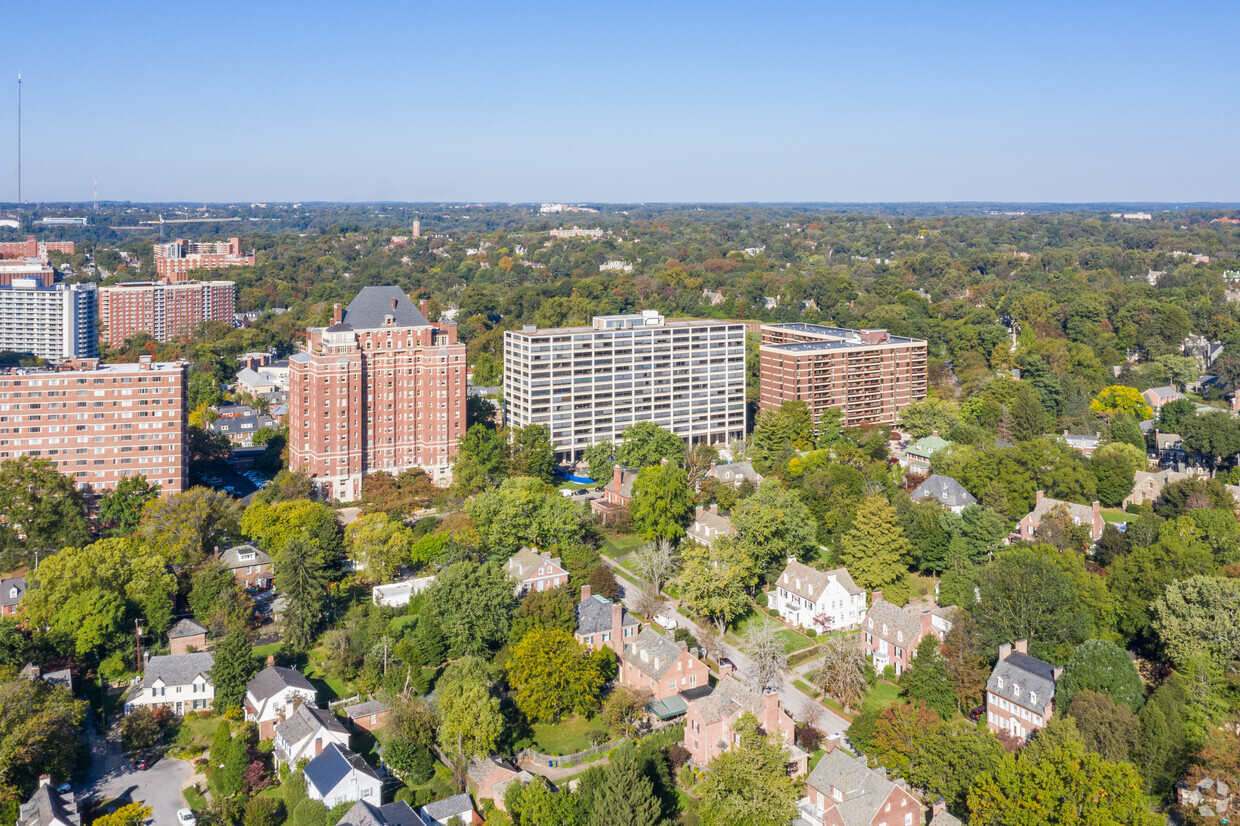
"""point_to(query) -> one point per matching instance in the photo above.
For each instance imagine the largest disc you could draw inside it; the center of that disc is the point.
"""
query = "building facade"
(869, 375)
(176, 259)
(710, 722)
(163, 310)
(587, 384)
(50, 322)
(843, 790)
(32, 248)
(178, 682)
(654, 662)
(1020, 694)
(26, 270)
(99, 423)
(380, 389)
(821, 600)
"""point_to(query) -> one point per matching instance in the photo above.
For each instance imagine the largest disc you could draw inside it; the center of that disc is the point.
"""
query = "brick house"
(1088, 515)
(617, 495)
(249, 564)
(845, 791)
(186, 634)
(822, 600)
(369, 715)
(891, 634)
(490, 777)
(1020, 694)
(1156, 397)
(305, 734)
(273, 695)
(1146, 486)
(11, 592)
(533, 571)
(709, 722)
(656, 663)
(602, 622)
(708, 524)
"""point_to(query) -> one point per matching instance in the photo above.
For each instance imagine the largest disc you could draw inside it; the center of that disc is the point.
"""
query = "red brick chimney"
(585, 592)
(770, 712)
(875, 598)
(1021, 646)
(617, 627)
(318, 746)
(617, 475)
(271, 660)
(1039, 496)
(937, 808)
(337, 313)
(714, 508)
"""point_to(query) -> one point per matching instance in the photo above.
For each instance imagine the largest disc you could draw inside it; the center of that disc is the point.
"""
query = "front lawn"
(194, 732)
(1115, 515)
(793, 640)
(615, 547)
(566, 737)
(329, 687)
(882, 695)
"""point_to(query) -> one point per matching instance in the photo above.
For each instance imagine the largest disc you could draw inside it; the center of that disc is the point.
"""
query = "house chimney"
(875, 598)
(337, 313)
(1056, 672)
(937, 808)
(791, 559)
(714, 508)
(934, 433)
(585, 592)
(1005, 651)
(1021, 646)
(1039, 496)
(726, 670)
(770, 711)
(1097, 506)
(617, 474)
(617, 627)
(318, 746)
(927, 622)
(45, 780)
(711, 472)
(271, 660)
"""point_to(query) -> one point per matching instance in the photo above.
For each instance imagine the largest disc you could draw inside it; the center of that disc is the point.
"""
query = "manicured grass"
(566, 737)
(615, 547)
(923, 584)
(329, 687)
(195, 731)
(265, 651)
(1115, 515)
(805, 688)
(793, 640)
(882, 695)
(815, 757)
(194, 798)
(399, 624)
(564, 484)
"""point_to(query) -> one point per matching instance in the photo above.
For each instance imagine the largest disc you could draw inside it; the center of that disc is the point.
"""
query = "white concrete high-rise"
(54, 323)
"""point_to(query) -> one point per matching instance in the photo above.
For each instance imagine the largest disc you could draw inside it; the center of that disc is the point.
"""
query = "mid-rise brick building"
(50, 322)
(381, 388)
(869, 375)
(588, 384)
(26, 269)
(176, 259)
(164, 310)
(99, 422)
(33, 248)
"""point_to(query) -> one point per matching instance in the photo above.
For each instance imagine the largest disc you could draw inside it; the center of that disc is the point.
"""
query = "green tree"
(773, 525)
(1107, 727)
(1026, 417)
(234, 665)
(748, 785)
(927, 680)
(304, 585)
(37, 720)
(293, 788)
(481, 460)
(262, 811)
(473, 604)
(121, 508)
(1100, 665)
(231, 779)
(1214, 436)
(221, 742)
(470, 722)
(532, 452)
(314, 523)
(645, 444)
(1196, 617)
(627, 795)
(662, 502)
(713, 580)
(525, 512)
(544, 610)
(779, 433)
(1115, 471)
(188, 526)
(601, 458)
(552, 674)
(140, 729)
(131, 814)
(309, 813)
(874, 550)
(40, 511)
(379, 544)
(920, 419)
(1124, 429)
(1173, 414)
(1183, 495)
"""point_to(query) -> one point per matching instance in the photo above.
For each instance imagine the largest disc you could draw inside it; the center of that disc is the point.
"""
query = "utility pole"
(137, 626)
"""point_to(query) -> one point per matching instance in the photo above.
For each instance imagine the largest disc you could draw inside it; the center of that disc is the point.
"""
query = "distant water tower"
(417, 228)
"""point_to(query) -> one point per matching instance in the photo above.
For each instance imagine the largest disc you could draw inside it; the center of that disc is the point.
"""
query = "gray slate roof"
(1024, 680)
(730, 698)
(393, 814)
(449, 806)
(594, 615)
(796, 572)
(480, 769)
(185, 628)
(305, 721)
(177, 669)
(275, 678)
(864, 789)
(332, 765)
(526, 561)
(945, 818)
(884, 613)
(232, 557)
(735, 472)
(47, 806)
(943, 489)
(8, 598)
(365, 709)
(242, 424)
(660, 650)
(373, 304)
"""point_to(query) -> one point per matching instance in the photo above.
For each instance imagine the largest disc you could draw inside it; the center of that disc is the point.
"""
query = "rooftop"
(177, 669)
(275, 678)
(810, 583)
(185, 628)
(594, 615)
(374, 306)
(945, 490)
(305, 721)
(1025, 680)
(333, 765)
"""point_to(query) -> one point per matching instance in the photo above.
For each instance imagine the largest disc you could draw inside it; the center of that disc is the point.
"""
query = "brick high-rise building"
(100, 422)
(176, 259)
(868, 374)
(33, 248)
(380, 389)
(53, 323)
(163, 310)
(589, 383)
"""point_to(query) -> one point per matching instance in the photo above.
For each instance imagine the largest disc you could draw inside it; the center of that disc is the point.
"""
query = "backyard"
(568, 736)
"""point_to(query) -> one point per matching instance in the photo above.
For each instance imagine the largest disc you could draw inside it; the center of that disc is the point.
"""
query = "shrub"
(760, 598)
(808, 737)
(810, 632)
(889, 673)
(677, 756)
(1133, 508)
(772, 612)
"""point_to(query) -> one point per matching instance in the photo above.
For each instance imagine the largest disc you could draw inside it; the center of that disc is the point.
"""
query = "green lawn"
(265, 651)
(882, 695)
(329, 687)
(923, 584)
(793, 640)
(564, 484)
(1115, 515)
(566, 737)
(615, 547)
(194, 798)
(399, 624)
(195, 732)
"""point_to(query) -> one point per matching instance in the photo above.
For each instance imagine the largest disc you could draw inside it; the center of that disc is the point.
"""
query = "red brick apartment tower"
(32, 248)
(381, 388)
(100, 422)
(176, 259)
(164, 310)
(868, 374)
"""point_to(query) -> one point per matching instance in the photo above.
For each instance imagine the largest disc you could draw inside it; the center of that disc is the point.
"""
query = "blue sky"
(624, 101)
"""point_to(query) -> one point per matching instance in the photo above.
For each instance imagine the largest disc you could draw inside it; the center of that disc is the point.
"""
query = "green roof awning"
(669, 707)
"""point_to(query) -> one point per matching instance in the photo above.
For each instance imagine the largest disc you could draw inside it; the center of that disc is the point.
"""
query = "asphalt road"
(112, 776)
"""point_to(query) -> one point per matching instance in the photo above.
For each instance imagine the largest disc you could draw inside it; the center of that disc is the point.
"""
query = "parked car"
(666, 620)
(144, 762)
(185, 817)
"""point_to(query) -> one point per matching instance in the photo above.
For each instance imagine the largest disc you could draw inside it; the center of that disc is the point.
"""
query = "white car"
(668, 621)
(185, 817)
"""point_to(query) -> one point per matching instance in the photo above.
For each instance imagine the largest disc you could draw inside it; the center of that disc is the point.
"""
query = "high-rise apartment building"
(380, 389)
(33, 248)
(869, 375)
(99, 422)
(589, 383)
(176, 259)
(53, 323)
(161, 309)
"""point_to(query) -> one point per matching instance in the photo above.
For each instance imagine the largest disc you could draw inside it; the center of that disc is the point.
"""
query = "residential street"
(113, 776)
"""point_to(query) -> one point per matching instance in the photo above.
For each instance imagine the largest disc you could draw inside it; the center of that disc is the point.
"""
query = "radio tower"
(96, 193)
(19, 138)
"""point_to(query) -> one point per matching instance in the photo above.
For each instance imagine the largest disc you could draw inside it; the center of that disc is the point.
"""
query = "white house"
(306, 732)
(821, 600)
(709, 524)
(273, 695)
(177, 681)
(456, 809)
(338, 776)
(398, 594)
(533, 571)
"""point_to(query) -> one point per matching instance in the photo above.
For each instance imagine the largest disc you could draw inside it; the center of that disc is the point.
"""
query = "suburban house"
(1088, 515)
(398, 594)
(338, 775)
(249, 565)
(62, 677)
(186, 634)
(891, 634)
(240, 430)
(601, 622)
(305, 733)
(656, 663)
(821, 600)
(369, 715)
(532, 571)
(490, 777)
(1156, 397)
(917, 455)
(48, 807)
(1169, 450)
(946, 491)
(390, 814)
(1085, 444)
(708, 524)
(617, 495)
(709, 722)
(180, 682)
(939, 816)
(845, 791)
(11, 592)
(273, 694)
(1147, 486)
(442, 812)
(1020, 694)
(734, 473)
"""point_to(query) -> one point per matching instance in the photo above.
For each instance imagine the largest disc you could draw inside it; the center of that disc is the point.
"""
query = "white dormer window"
(899, 636)
(871, 621)
(248, 556)
(999, 682)
(837, 794)
(1033, 698)
(884, 629)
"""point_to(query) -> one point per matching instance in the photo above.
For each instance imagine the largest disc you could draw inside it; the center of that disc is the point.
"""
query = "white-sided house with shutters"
(338, 775)
(821, 600)
(179, 682)
(305, 733)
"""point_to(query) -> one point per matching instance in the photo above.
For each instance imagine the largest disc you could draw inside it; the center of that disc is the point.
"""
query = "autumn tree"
(842, 672)
(552, 674)
(662, 503)
(1119, 399)
(188, 526)
(748, 783)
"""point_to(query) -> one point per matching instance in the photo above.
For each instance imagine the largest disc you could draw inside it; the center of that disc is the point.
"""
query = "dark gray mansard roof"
(945, 489)
(373, 304)
(594, 615)
(1024, 680)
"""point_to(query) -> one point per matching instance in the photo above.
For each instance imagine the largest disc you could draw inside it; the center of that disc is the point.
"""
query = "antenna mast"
(19, 138)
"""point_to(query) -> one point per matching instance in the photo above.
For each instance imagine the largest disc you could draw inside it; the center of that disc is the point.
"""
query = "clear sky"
(630, 101)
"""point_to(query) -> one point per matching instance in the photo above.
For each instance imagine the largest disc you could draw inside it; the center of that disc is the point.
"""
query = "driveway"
(112, 776)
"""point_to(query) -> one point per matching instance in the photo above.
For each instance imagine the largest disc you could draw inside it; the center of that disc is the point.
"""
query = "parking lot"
(238, 484)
